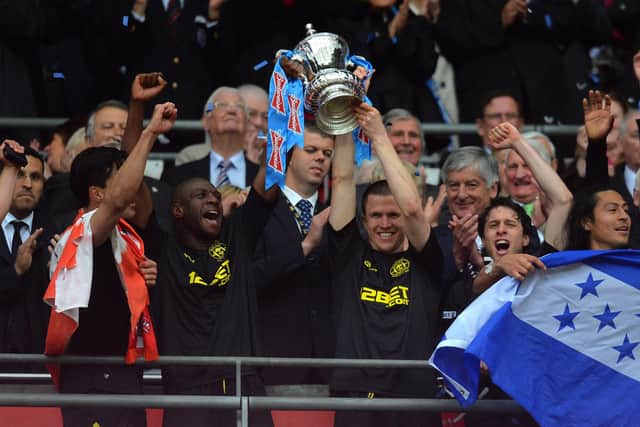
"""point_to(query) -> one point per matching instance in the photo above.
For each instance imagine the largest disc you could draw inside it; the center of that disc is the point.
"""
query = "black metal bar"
(216, 361)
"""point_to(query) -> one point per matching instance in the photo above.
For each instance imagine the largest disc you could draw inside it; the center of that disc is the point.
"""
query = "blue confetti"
(547, 20)
(209, 106)
(58, 75)
(394, 10)
(260, 65)
(125, 21)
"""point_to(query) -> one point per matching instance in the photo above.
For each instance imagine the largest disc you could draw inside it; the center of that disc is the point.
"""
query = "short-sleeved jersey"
(386, 308)
(203, 303)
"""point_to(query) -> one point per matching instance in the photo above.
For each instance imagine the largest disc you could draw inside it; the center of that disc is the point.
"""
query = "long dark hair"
(584, 204)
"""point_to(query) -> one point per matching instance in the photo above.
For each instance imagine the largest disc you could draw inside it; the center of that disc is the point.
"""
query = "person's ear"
(96, 193)
(587, 224)
(525, 241)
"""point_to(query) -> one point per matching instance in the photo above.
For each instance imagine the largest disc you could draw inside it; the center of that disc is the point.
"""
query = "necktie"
(17, 239)
(223, 168)
(304, 206)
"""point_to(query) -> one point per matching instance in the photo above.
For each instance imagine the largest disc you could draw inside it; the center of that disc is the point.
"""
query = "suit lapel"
(4, 250)
(287, 218)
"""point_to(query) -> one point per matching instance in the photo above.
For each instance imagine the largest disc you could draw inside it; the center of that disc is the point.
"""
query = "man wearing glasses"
(224, 121)
(497, 107)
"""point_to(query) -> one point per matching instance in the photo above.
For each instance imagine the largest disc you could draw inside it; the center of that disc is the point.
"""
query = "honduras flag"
(564, 343)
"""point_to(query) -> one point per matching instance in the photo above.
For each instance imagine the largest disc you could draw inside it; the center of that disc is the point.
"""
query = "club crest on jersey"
(293, 124)
(217, 251)
(399, 267)
(275, 159)
(277, 102)
(369, 266)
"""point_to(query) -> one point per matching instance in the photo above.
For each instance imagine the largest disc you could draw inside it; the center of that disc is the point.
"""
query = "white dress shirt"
(8, 228)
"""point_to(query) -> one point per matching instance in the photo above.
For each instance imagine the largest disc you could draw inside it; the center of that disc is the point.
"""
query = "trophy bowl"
(331, 96)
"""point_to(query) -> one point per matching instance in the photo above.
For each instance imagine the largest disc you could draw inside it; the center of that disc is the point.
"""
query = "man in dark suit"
(23, 269)
(225, 123)
(291, 271)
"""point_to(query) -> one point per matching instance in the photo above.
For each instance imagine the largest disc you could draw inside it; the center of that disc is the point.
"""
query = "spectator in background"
(257, 102)
(521, 184)
(105, 126)
(23, 259)
(497, 107)
(56, 147)
(257, 108)
(75, 145)
(185, 40)
(470, 176)
(225, 122)
(518, 46)
(397, 38)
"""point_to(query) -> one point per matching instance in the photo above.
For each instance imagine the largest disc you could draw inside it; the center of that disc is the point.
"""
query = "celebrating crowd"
(345, 261)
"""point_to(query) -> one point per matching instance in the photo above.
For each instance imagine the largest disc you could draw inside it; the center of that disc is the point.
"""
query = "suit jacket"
(23, 314)
(294, 302)
(202, 169)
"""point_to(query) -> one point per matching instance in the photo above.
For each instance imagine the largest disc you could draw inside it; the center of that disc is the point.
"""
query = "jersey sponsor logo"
(398, 295)
(221, 278)
(217, 251)
(400, 267)
(369, 266)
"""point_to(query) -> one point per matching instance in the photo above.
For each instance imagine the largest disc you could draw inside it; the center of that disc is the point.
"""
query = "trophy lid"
(323, 50)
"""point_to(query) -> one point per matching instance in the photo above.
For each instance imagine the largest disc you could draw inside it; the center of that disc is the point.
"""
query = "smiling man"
(405, 134)
(386, 288)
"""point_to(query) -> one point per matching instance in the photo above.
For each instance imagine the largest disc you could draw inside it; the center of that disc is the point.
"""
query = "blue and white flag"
(564, 343)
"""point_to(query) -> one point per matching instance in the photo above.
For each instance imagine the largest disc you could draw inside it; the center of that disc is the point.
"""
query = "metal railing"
(180, 125)
(239, 402)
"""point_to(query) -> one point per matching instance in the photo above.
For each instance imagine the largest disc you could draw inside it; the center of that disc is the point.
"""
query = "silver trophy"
(331, 89)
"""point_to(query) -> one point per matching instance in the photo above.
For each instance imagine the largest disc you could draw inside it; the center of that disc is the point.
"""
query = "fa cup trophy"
(331, 88)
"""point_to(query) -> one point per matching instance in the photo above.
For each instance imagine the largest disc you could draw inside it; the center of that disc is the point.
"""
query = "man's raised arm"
(125, 185)
(400, 181)
(506, 135)
(144, 88)
(343, 186)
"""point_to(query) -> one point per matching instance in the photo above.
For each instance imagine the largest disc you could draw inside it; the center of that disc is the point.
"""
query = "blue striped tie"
(223, 168)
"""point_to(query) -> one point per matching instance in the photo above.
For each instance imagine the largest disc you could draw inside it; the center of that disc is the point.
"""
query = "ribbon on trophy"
(361, 140)
(286, 121)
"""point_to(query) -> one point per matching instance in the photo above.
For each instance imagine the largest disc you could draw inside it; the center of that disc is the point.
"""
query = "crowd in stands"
(340, 261)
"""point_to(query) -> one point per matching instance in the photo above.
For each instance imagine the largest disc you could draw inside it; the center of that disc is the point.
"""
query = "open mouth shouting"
(501, 247)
